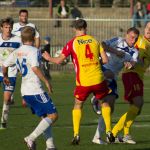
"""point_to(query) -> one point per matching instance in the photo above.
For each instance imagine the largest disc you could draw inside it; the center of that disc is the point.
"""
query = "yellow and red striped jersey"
(85, 52)
(143, 45)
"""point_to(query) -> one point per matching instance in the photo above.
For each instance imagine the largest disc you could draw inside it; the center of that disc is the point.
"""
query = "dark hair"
(133, 29)
(80, 24)
(7, 20)
(27, 34)
(23, 11)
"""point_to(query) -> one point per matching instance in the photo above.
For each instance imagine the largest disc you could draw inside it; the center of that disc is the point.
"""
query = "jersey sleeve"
(101, 48)
(37, 35)
(113, 42)
(135, 56)
(67, 48)
(11, 60)
(34, 58)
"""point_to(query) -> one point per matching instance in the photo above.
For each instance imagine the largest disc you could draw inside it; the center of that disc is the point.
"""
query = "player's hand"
(128, 65)
(6, 81)
(46, 56)
(49, 87)
(120, 54)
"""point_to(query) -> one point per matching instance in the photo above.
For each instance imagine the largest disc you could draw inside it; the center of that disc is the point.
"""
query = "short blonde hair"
(27, 34)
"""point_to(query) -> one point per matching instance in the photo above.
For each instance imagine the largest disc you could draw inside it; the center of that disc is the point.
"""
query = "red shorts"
(99, 90)
(133, 85)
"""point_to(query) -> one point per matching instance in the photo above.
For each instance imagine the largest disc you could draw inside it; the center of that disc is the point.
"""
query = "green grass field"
(22, 122)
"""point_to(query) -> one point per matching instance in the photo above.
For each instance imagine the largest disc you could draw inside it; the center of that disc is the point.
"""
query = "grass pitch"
(22, 122)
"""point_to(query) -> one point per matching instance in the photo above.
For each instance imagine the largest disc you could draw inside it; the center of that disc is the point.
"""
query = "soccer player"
(8, 43)
(26, 60)
(117, 61)
(85, 52)
(133, 85)
(23, 21)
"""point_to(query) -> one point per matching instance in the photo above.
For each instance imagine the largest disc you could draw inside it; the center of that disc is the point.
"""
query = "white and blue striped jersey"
(6, 48)
(25, 58)
(17, 27)
(115, 63)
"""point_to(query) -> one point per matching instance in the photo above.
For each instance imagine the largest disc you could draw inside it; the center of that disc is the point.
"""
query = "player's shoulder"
(31, 25)
(16, 38)
(16, 25)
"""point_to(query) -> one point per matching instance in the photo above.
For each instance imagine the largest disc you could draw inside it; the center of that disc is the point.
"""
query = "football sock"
(100, 128)
(49, 139)
(42, 126)
(131, 115)
(76, 115)
(5, 112)
(106, 113)
(119, 126)
(126, 121)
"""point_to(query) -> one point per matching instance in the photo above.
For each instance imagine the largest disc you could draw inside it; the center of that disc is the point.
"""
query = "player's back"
(26, 59)
(86, 52)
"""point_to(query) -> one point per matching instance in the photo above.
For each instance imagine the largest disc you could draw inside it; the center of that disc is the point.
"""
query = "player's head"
(23, 16)
(80, 25)
(62, 2)
(6, 26)
(147, 30)
(27, 34)
(132, 36)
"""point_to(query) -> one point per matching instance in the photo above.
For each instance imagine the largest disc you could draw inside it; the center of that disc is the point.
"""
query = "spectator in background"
(147, 15)
(45, 64)
(63, 11)
(138, 14)
(75, 14)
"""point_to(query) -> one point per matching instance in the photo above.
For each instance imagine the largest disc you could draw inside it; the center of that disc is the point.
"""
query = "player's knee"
(53, 117)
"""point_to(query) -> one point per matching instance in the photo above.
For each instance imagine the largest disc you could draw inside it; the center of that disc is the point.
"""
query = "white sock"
(100, 128)
(49, 139)
(42, 126)
(5, 112)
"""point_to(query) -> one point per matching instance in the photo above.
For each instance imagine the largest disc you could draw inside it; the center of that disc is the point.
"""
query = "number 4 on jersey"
(88, 52)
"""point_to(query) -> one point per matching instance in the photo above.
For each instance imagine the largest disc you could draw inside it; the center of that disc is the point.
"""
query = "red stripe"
(76, 64)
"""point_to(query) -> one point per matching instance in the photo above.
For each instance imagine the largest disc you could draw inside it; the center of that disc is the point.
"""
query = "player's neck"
(80, 33)
(28, 43)
(6, 37)
(23, 23)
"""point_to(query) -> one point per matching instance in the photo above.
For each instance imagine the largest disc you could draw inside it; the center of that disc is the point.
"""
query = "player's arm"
(108, 48)
(104, 58)
(11, 60)
(37, 42)
(39, 73)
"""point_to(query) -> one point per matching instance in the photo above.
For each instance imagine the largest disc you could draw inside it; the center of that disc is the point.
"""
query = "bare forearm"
(39, 73)
(5, 71)
(37, 42)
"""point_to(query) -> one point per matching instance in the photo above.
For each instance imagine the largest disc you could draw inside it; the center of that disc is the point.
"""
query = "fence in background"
(101, 29)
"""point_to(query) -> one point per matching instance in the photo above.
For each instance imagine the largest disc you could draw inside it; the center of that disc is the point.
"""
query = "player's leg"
(42, 107)
(8, 92)
(80, 94)
(134, 110)
(100, 130)
(76, 116)
(5, 109)
(49, 139)
(106, 113)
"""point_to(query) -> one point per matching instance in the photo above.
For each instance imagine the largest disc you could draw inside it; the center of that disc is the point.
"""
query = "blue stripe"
(10, 44)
